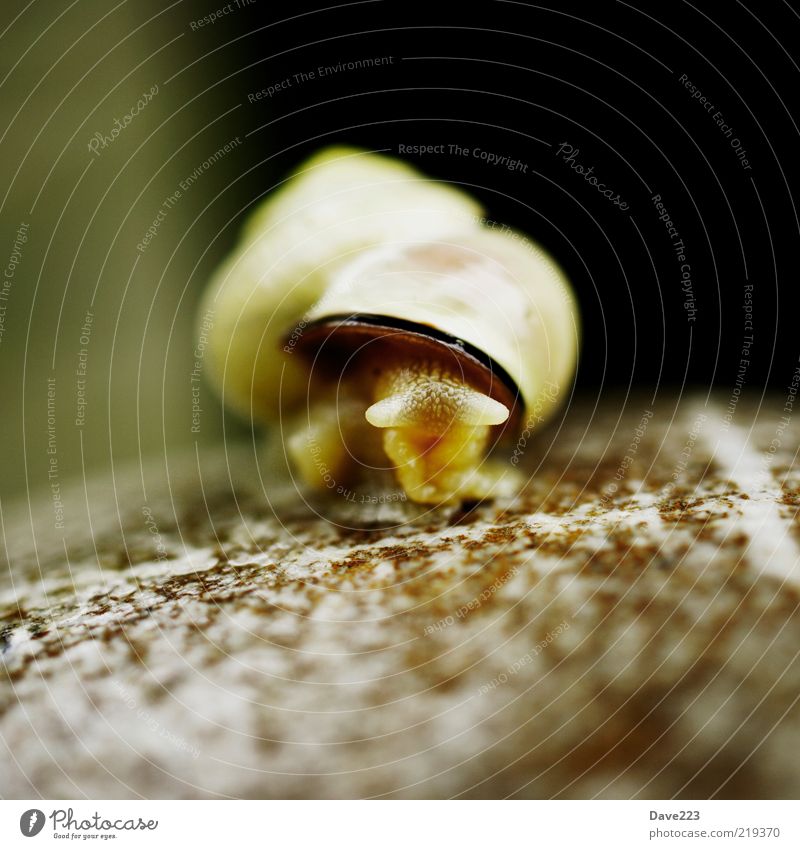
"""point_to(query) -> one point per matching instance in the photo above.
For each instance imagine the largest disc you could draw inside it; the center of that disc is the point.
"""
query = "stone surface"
(627, 627)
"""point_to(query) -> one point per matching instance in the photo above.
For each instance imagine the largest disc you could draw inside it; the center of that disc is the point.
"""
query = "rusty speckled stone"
(625, 627)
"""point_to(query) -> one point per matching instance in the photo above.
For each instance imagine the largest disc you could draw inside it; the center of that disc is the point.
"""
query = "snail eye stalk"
(436, 431)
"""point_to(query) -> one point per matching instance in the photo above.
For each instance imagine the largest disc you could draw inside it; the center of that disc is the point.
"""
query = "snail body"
(370, 311)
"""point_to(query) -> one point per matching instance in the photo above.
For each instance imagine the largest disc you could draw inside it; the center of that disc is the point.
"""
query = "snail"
(388, 328)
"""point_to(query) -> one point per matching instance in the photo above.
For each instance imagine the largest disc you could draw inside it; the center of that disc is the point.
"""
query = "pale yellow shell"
(337, 204)
(493, 289)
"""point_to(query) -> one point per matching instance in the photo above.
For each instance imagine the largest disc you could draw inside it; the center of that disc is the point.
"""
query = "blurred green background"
(106, 110)
(536, 78)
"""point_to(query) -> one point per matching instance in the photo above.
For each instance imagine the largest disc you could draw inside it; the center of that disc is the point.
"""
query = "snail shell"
(336, 204)
(371, 311)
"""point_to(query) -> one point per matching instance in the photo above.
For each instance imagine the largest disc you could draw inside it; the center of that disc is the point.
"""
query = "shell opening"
(425, 423)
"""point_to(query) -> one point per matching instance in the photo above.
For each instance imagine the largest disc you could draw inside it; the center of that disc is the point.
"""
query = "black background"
(519, 80)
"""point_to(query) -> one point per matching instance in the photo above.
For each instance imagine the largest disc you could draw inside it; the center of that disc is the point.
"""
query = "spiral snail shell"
(371, 312)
